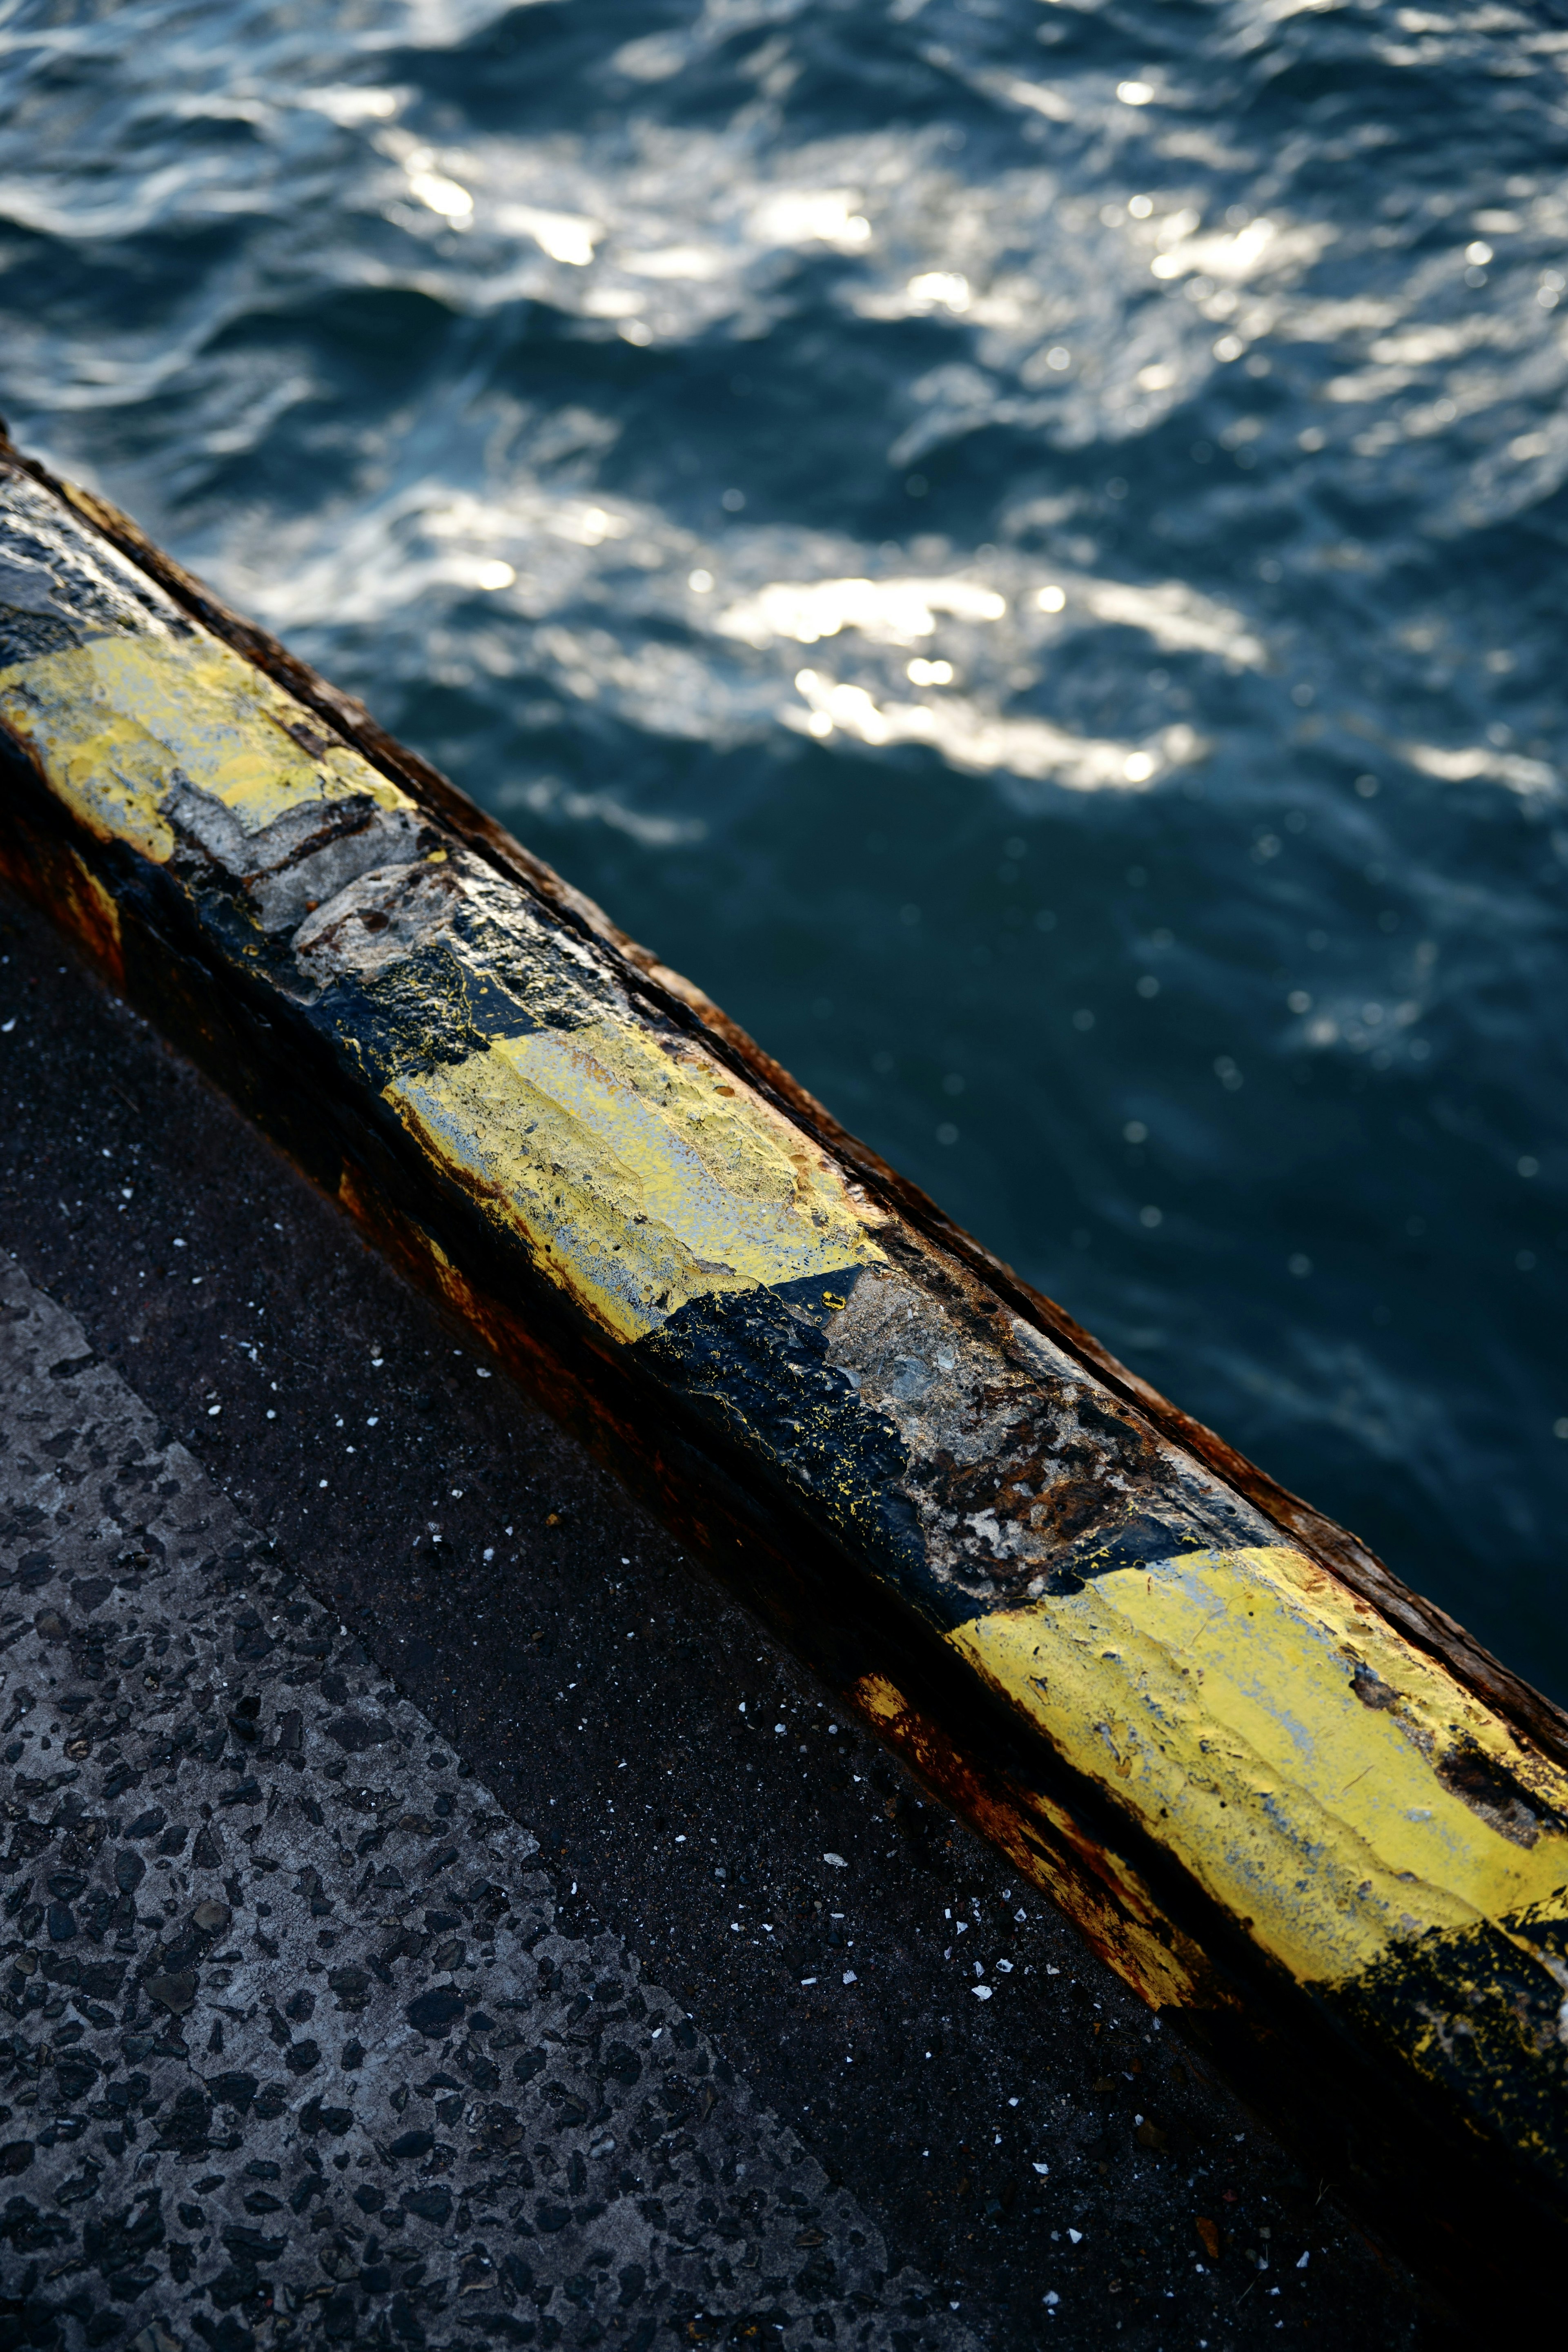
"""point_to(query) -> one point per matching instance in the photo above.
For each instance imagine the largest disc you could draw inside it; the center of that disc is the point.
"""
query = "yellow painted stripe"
(124, 726)
(642, 1172)
(1306, 1763)
(639, 1171)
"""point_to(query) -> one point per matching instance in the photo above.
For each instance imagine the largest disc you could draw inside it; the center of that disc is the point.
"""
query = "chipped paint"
(146, 738)
(640, 1172)
(1036, 1460)
(1221, 1698)
(642, 1176)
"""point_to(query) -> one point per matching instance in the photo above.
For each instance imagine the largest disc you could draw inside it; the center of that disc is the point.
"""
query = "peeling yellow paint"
(120, 723)
(640, 1174)
(1213, 1696)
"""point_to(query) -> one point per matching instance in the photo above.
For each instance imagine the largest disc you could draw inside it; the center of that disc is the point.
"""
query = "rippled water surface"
(1022, 545)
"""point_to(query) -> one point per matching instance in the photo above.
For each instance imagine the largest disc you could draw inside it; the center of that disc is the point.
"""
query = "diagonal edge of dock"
(1286, 1798)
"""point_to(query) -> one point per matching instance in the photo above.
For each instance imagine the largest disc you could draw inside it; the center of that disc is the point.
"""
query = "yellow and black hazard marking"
(1285, 1822)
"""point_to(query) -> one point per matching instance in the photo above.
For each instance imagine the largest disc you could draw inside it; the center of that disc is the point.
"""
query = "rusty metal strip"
(1285, 1799)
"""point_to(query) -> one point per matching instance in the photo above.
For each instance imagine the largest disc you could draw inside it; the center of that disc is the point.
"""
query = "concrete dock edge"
(1294, 1806)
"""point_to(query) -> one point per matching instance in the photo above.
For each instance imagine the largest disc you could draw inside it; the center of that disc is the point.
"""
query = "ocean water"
(1022, 545)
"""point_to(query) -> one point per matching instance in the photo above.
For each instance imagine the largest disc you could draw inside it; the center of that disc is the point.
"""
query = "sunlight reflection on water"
(1020, 548)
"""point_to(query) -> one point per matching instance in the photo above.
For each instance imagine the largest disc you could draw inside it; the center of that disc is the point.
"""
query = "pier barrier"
(1316, 1826)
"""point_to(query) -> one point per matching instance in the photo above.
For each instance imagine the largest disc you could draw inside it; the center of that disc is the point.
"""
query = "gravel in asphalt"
(298, 2038)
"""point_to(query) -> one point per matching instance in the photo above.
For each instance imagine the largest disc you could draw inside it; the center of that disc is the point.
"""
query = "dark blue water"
(1024, 546)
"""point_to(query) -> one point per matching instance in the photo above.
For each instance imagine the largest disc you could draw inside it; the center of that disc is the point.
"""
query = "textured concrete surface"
(627, 1714)
(297, 2027)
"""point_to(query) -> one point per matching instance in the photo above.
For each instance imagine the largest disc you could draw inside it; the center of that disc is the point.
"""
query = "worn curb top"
(1272, 1785)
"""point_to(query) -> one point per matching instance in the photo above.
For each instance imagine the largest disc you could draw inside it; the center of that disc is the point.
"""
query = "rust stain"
(1098, 1889)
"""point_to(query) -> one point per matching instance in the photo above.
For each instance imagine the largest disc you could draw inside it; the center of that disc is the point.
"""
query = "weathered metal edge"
(1420, 1619)
(1144, 1915)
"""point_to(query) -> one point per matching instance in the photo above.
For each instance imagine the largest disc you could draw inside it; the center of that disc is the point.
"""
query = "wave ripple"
(1022, 546)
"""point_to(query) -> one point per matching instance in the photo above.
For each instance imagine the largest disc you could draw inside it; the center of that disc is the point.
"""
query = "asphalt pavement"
(862, 2086)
